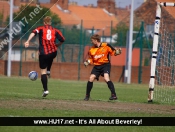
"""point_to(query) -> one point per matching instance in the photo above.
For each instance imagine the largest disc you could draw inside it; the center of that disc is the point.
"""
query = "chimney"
(17, 2)
(75, 3)
(128, 8)
(62, 3)
(109, 5)
(90, 5)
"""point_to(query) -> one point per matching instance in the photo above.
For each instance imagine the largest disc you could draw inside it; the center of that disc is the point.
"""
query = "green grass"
(20, 89)
(69, 90)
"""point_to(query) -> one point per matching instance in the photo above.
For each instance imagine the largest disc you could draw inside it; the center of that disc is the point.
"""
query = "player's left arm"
(114, 51)
(34, 33)
(28, 41)
(60, 37)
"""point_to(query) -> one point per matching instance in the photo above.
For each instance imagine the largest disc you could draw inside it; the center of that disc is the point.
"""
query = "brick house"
(99, 17)
(147, 13)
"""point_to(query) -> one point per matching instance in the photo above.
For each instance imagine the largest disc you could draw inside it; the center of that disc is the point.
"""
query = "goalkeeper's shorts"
(99, 70)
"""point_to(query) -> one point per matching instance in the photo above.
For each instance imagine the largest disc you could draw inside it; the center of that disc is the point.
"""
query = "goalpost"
(162, 75)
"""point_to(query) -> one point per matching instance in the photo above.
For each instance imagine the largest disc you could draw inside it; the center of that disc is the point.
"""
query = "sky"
(119, 3)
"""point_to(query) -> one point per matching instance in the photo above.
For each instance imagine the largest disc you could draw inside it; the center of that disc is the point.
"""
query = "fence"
(73, 49)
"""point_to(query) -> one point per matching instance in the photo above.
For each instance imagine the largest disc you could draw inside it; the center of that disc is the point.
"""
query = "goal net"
(162, 78)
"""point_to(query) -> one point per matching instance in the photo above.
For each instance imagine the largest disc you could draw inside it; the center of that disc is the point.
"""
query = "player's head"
(47, 20)
(95, 39)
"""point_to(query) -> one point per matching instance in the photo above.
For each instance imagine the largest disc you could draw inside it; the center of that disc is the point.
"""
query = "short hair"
(96, 37)
(47, 20)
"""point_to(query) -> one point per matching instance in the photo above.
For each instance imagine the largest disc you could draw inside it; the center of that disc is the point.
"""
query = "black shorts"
(101, 69)
(44, 60)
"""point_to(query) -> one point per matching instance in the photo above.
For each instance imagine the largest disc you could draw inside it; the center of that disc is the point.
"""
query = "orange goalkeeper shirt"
(100, 55)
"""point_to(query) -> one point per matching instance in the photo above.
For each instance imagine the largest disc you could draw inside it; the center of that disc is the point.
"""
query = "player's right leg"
(95, 73)
(89, 86)
(44, 82)
(43, 67)
(50, 61)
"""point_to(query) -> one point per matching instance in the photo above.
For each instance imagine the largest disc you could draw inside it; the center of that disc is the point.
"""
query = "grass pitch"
(21, 97)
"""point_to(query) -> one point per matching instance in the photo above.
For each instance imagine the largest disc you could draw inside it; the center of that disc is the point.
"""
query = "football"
(33, 75)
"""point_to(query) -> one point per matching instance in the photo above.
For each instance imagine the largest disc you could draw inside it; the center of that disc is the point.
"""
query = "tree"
(72, 35)
(29, 16)
(121, 30)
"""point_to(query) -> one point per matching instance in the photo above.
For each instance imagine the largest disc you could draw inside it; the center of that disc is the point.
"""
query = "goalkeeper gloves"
(86, 63)
(118, 51)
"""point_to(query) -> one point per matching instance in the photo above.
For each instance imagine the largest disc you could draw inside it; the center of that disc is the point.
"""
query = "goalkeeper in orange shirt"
(99, 57)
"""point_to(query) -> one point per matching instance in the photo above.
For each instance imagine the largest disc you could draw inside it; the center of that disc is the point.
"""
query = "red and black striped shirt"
(47, 38)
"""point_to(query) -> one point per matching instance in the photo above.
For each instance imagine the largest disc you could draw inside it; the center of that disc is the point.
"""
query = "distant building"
(100, 19)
